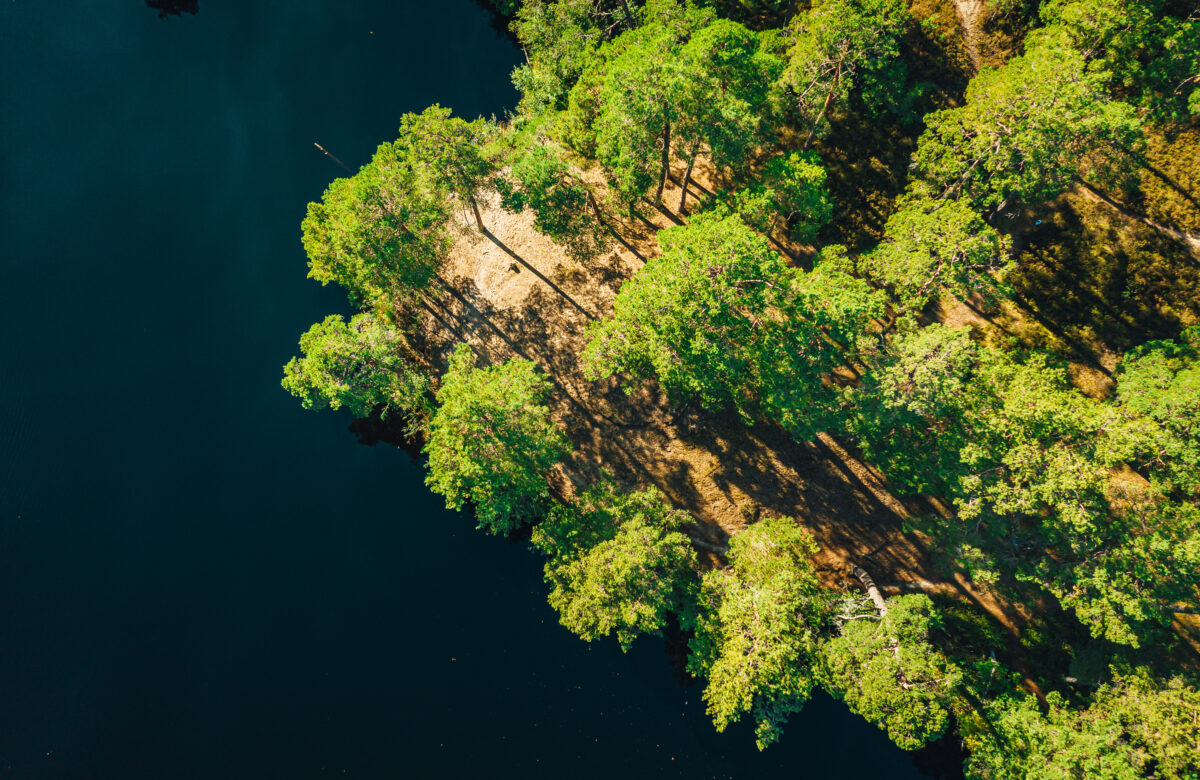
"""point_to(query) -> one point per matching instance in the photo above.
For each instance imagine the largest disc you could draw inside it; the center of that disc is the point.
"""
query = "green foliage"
(1016, 450)
(560, 38)
(791, 186)
(757, 628)
(725, 80)
(381, 233)
(681, 84)
(617, 562)
(541, 181)
(1027, 130)
(1039, 477)
(637, 104)
(1158, 396)
(888, 672)
(721, 317)
(449, 153)
(932, 246)
(1140, 51)
(492, 441)
(1135, 727)
(840, 46)
(360, 366)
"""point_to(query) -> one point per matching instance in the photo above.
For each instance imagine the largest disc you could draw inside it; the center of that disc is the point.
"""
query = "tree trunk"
(478, 216)
(666, 162)
(872, 590)
(812, 131)
(1189, 240)
(595, 206)
(628, 14)
(687, 179)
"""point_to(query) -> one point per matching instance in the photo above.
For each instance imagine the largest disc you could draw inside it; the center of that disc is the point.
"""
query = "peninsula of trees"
(944, 255)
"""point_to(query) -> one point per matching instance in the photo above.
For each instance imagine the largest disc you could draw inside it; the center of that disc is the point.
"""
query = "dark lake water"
(198, 579)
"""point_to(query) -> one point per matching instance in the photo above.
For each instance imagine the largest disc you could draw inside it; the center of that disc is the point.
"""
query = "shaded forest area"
(857, 340)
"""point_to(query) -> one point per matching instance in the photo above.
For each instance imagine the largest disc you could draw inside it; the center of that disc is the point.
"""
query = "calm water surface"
(198, 579)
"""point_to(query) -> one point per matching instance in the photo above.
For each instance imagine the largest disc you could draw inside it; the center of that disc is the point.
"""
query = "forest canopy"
(945, 256)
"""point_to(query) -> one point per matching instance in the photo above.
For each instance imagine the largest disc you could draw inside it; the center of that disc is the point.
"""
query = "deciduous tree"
(1028, 129)
(560, 38)
(757, 629)
(492, 441)
(1158, 404)
(1136, 726)
(382, 233)
(726, 75)
(361, 365)
(720, 317)
(932, 246)
(1143, 53)
(1017, 451)
(791, 190)
(449, 154)
(839, 46)
(618, 563)
(562, 205)
(887, 670)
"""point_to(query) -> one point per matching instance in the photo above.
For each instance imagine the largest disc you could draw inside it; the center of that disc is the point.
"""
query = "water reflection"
(167, 8)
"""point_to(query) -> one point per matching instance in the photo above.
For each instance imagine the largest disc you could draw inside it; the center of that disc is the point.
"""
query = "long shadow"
(653, 228)
(666, 212)
(624, 243)
(486, 320)
(630, 460)
(578, 405)
(1163, 176)
(1098, 277)
(701, 190)
(492, 237)
(438, 317)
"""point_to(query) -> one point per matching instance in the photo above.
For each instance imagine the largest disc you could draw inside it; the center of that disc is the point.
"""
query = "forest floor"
(514, 293)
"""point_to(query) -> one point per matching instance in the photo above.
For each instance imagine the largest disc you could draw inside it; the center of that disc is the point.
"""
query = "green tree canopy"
(382, 233)
(492, 441)
(360, 365)
(887, 670)
(1158, 400)
(757, 628)
(1135, 727)
(617, 562)
(449, 154)
(680, 84)
(839, 46)
(721, 317)
(931, 246)
(1027, 130)
(560, 38)
(1143, 53)
(1017, 451)
(623, 111)
(726, 75)
(791, 188)
(540, 180)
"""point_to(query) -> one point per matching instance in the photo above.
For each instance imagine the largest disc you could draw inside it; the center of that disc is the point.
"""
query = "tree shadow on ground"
(1101, 284)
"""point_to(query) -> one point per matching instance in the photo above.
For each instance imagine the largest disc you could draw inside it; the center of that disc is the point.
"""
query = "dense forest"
(853, 344)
